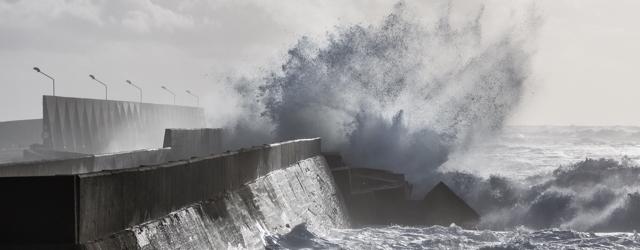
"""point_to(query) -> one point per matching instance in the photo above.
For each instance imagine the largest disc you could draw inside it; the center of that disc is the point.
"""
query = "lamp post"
(136, 86)
(45, 74)
(197, 98)
(171, 92)
(103, 84)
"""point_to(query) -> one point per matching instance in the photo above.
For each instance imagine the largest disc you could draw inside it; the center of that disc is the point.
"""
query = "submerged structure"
(443, 207)
(380, 197)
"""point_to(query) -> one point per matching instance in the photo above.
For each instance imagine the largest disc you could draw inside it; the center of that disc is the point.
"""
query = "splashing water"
(452, 237)
(400, 95)
(406, 95)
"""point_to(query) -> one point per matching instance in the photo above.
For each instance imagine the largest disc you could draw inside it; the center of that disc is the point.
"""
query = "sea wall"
(104, 126)
(111, 201)
(302, 192)
(230, 195)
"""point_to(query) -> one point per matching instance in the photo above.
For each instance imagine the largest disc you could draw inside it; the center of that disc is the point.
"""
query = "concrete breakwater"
(227, 199)
(104, 178)
(302, 192)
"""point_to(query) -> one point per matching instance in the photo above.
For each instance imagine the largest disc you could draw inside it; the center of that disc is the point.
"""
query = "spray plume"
(400, 95)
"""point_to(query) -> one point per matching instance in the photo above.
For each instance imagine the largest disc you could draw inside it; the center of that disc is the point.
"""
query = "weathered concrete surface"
(303, 192)
(110, 201)
(187, 143)
(82, 164)
(103, 203)
(101, 126)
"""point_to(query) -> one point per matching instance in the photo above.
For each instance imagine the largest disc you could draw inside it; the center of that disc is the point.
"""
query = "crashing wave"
(591, 195)
(404, 95)
(400, 95)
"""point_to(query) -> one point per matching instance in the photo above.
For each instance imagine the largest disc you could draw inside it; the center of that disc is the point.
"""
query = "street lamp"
(174, 94)
(54, 80)
(197, 98)
(103, 84)
(136, 86)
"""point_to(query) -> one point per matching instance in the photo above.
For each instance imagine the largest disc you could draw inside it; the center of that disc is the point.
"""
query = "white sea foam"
(452, 237)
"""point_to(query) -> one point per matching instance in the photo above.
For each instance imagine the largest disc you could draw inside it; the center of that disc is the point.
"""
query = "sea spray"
(400, 95)
(404, 95)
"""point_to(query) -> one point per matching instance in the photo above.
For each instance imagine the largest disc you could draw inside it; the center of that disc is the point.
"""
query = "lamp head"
(163, 87)
(129, 82)
(36, 69)
(92, 77)
(188, 91)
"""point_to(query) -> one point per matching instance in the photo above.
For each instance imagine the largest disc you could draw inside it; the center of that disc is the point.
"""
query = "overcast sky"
(585, 71)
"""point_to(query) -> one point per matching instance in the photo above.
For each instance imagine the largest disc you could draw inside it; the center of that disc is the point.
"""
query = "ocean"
(536, 188)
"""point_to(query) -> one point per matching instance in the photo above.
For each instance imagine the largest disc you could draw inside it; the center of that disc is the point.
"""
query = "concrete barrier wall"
(86, 164)
(112, 201)
(187, 143)
(101, 126)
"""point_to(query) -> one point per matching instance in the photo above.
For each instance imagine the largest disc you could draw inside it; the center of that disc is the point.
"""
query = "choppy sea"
(536, 188)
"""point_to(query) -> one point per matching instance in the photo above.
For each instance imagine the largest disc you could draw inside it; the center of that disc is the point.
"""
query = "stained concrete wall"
(187, 143)
(114, 200)
(101, 126)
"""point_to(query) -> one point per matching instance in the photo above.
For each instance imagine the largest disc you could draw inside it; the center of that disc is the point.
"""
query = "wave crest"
(591, 195)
